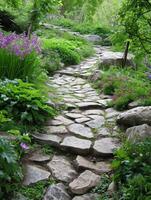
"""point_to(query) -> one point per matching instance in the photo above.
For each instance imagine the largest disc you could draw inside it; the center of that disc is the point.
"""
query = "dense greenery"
(132, 170)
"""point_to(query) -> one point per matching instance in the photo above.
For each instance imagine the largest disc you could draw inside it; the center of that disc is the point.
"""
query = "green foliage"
(10, 170)
(70, 51)
(132, 170)
(23, 102)
(126, 86)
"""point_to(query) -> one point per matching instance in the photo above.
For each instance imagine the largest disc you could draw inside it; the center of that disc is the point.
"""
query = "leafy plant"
(132, 170)
(10, 170)
(23, 102)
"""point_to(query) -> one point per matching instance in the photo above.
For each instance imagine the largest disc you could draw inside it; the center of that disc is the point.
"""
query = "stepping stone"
(86, 105)
(84, 182)
(39, 156)
(86, 197)
(96, 123)
(53, 123)
(80, 146)
(74, 115)
(106, 146)
(56, 192)
(104, 102)
(98, 167)
(80, 130)
(61, 169)
(64, 120)
(53, 140)
(34, 173)
(83, 119)
(104, 132)
(56, 130)
(93, 112)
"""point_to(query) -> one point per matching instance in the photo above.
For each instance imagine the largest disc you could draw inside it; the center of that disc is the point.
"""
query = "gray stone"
(105, 146)
(53, 123)
(77, 145)
(57, 192)
(134, 104)
(83, 119)
(112, 188)
(61, 169)
(96, 167)
(80, 130)
(135, 116)
(93, 112)
(96, 123)
(138, 132)
(103, 132)
(39, 156)
(89, 196)
(64, 120)
(53, 140)
(84, 182)
(74, 115)
(87, 105)
(34, 173)
(61, 130)
(19, 196)
(93, 38)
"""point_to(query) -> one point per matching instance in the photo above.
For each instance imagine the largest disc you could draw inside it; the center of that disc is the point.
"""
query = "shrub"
(132, 170)
(23, 102)
(10, 170)
(19, 57)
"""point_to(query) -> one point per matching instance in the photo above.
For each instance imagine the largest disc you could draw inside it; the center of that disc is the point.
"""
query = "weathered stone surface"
(54, 140)
(138, 132)
(61, 130)
(97, 167)
(105, 146)
(112, 188)
(53, 123)
(93, 112)
(93, 38)
(83, 119)
(110, 58)
(96, 123)
(64, 120)
(89, 196)
(111, 113)
(86, 105)
(74, 115)
(77, 145)
(39, 156)
(57, 192)
(84, 182)
(61, 169)
(19, 196)
(103, 132)
(135, 116)
(34, 174)
(80, 130)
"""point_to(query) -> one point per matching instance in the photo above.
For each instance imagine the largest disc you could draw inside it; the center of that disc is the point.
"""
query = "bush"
(10, 170)
(19, 57)
(132, 170)
(23, 102)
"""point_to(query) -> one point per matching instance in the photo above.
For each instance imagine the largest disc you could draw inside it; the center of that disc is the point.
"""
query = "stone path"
(85, 132)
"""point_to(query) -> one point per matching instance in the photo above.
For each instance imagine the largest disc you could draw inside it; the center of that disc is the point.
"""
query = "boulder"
(135, 116)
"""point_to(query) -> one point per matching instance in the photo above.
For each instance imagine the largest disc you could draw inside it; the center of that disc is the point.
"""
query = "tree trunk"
(125, 54)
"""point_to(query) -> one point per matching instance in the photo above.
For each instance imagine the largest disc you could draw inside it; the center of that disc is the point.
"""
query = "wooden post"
(125, 54)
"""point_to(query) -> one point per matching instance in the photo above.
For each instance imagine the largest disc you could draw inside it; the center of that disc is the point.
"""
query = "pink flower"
(24, 146)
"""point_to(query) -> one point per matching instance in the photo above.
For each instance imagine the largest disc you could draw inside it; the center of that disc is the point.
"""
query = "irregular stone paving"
(85, 132)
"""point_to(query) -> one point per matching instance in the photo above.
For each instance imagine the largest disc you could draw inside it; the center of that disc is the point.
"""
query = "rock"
(77, 145)
(138, 132)
(104, 132)
(34, 173)
(39, 156)
(61, 169)
(93, 112)
(110, 58)
(89, 196)
(105, 146)
(135, 116)
(96, 123)
(61, 130)
(53, 140)
(64, 120)
(93, 38)
(112, 188)
(80, 130)
(87, 105)
(84, 182)
(98, 167)
(57, 192)
(82, 120)
(104, 102)
(74, 115)
(19, 196)
(134, 104)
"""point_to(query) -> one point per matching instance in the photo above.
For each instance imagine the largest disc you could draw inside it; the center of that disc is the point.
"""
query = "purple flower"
(149, 76)
(24, 146)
